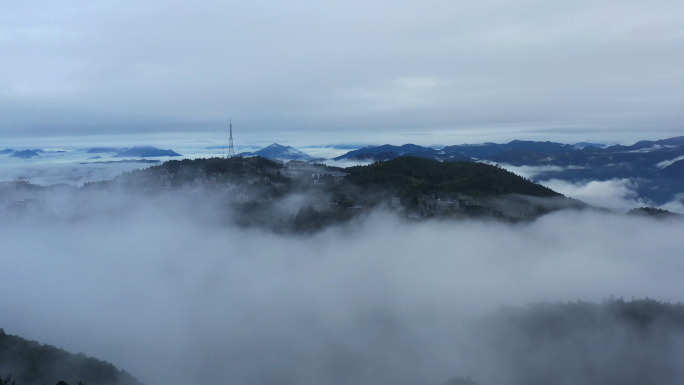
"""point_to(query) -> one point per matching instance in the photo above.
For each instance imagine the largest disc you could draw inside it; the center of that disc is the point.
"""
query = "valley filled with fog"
(165, 289)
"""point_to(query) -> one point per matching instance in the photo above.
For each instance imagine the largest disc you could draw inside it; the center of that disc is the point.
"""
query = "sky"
(319, 72)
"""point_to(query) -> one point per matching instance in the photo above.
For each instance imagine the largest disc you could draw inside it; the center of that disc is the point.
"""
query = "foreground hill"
(616, 342)
(411, 175)
(31, 363)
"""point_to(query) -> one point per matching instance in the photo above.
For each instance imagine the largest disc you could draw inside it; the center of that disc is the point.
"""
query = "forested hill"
(411, 175)
(31, 363)
(616, 342)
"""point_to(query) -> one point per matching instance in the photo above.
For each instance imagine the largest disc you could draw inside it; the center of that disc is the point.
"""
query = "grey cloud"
(399, 66)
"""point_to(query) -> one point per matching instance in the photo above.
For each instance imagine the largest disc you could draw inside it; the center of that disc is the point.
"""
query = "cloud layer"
(352, 68)
(614, 194)
(160, 289)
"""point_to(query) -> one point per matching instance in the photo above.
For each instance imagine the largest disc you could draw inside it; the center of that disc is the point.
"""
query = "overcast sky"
(442, 70)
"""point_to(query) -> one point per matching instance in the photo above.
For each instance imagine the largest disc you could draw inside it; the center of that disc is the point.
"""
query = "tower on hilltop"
(231, 149)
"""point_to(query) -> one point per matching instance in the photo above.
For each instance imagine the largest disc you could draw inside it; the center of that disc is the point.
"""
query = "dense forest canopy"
(32, 363)
(616, 342)
(410, 175)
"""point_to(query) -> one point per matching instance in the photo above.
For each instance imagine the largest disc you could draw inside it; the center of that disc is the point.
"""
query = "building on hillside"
(338, 176)
(446, 205)
(241, 198)
(355, 210)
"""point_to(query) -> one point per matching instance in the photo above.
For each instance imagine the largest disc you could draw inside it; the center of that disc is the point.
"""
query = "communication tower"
(231, 149)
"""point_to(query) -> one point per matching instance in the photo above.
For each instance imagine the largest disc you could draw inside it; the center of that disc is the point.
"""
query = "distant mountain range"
(20, 153)
(145, 152)
(134, 152)
(658, 166)
(25, 154)
(277, 151)
(463, 151)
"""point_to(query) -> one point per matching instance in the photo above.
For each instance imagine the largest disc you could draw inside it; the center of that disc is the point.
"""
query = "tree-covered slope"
(616, 342)
(31, 363)
(409, 174)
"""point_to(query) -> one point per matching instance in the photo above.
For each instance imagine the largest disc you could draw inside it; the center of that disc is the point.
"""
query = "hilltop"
(411, 175)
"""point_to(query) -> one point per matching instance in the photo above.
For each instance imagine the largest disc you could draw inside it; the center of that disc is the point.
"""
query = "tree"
(7, 380)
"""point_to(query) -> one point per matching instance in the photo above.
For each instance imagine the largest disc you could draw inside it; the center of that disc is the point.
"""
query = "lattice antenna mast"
(231, 149)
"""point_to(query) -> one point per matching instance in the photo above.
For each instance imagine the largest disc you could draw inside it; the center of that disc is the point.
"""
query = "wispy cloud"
(666, 163)
(615, 194)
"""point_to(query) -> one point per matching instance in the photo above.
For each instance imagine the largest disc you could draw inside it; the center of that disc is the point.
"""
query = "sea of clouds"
(169, 292)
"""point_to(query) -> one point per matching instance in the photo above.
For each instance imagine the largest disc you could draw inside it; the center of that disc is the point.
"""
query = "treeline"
(25, 362)
(654, 212)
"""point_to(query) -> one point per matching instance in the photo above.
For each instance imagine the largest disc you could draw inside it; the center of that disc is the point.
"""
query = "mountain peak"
(278, 151)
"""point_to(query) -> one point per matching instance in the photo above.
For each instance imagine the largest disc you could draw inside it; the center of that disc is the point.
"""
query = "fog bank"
(176, 299)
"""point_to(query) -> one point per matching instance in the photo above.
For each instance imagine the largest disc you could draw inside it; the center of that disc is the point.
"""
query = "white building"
(446, 205)
(338, 175)
(241, 198)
